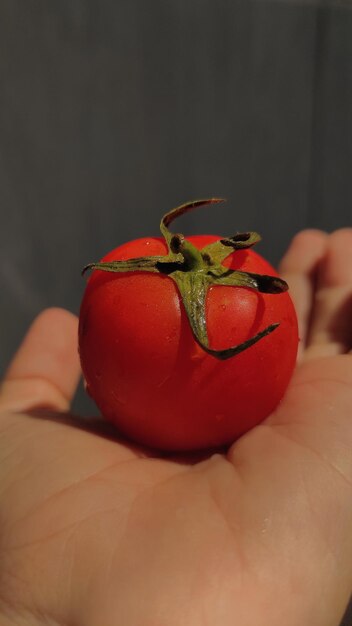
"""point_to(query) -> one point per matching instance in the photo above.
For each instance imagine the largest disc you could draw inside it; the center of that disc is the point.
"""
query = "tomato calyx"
(194, 271)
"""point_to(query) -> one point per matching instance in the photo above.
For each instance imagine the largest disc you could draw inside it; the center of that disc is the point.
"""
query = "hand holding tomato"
(96, 532)
(186, 344)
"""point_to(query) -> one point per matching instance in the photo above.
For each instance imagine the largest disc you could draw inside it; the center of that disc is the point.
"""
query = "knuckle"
(342, 237)
(308, 236)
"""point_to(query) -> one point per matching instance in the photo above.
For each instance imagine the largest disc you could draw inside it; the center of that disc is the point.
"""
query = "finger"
(299, 267)
(45, 371)
(330, 329)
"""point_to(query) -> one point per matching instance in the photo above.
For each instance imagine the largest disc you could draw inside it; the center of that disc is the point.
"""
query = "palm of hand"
(95, 532)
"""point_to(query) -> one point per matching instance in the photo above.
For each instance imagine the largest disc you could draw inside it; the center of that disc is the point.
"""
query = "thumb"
(45, 370)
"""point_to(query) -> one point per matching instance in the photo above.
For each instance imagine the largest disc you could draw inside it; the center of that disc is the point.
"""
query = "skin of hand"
(97, 532)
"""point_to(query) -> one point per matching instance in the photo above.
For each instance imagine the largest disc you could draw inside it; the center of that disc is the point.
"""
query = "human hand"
(97, 532)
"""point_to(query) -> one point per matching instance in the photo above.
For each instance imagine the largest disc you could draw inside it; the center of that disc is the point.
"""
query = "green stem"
(194, 271)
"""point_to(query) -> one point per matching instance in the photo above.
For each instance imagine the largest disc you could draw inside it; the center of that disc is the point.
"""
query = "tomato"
(149, 375)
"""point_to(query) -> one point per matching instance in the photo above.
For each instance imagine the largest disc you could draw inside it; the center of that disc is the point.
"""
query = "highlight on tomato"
(186, 343)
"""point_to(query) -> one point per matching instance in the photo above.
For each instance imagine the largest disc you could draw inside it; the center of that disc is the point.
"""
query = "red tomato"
(149, 376)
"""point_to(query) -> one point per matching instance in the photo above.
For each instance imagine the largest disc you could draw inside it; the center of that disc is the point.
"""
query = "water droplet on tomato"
(171, 335)
(117, 398)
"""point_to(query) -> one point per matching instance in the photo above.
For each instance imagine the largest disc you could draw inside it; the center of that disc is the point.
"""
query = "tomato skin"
(148, 375)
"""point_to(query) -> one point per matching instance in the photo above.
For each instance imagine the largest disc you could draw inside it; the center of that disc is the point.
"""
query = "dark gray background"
(112, 112)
